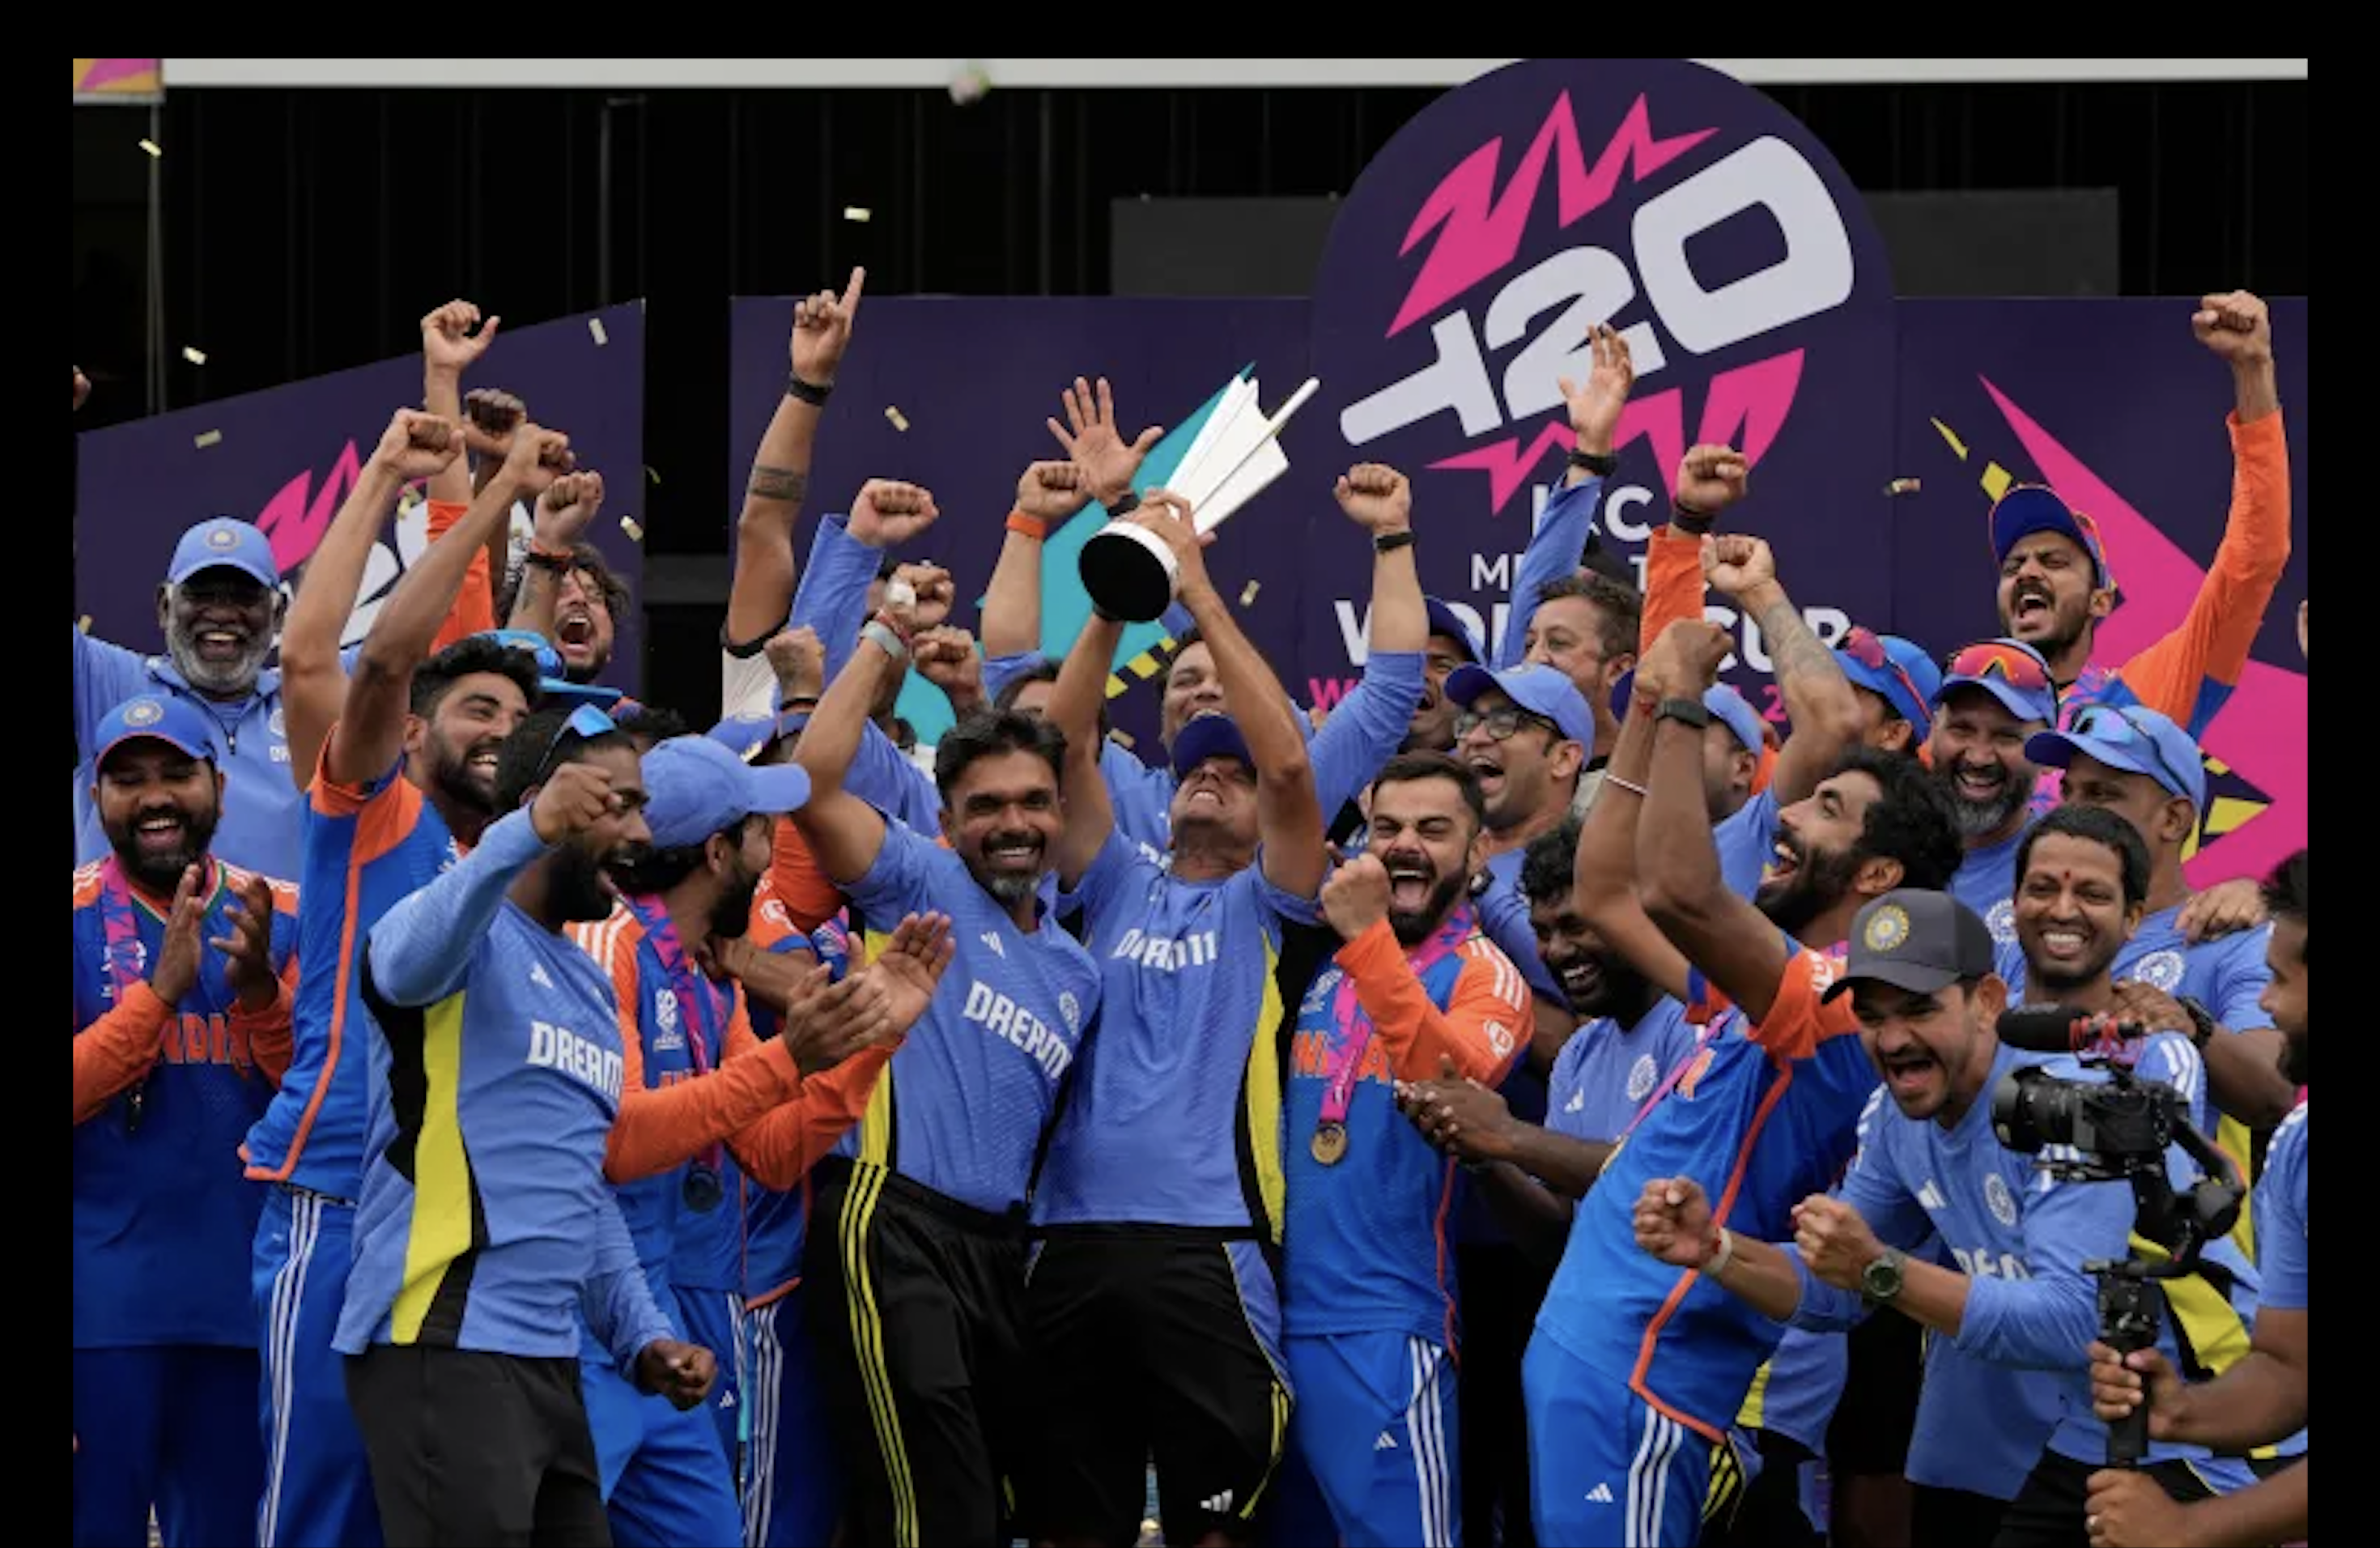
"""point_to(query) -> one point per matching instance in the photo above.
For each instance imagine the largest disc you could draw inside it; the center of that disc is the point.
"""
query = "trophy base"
(1128, 571)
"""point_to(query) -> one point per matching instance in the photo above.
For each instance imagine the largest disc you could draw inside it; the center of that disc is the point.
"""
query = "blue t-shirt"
(961, 1106)
(1174, 1117)
(1985, 882)
(2281, 1201)
(1605, 1073)
(1747, 841)
(775, 1224)
(486, 1222)
(162, 1220)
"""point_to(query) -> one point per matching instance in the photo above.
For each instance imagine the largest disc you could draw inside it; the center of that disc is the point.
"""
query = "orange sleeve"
(474, 604)
(2214, 639)
(800, 883)
(266, 1033)
(116, 1050)
(1798, 1020)
(779, 1149)
(1674, 583)
(1481, 1027)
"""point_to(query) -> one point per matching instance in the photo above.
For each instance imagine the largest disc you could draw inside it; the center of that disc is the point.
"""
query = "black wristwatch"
(1601, 464)
(1688, 711)
(2203, 1025)
(1880, 1281)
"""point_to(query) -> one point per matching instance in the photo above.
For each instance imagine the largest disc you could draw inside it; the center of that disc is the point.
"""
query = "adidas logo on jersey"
(991, 939)
(1386, 1443)
(537, 976)
(1577, 1103)
(1929, 1197)
(1599, 1494)
(727, 1397)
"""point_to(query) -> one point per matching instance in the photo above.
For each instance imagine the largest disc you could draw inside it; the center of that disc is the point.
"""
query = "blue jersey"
(1605, 1073)
(1794, 1394)
(162, 1220)
(1365, 1246)
(260, 802)
(1985, 882)
(365, 849)
(1746, 843)
(2228, 974)
(485, 1221)
(2021, 1238)
(1174, 1117)
(961, 1106)
(1762, 1117)
(775, 1223)
(1552, 554)
(2281, 1199)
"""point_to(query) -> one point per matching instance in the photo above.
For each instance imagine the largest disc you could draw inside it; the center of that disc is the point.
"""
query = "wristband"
(1389, 543)
(809, 392)
(1691, 522)
(798, 702)
(1601, 464)
(547, 560)
(1717, 1264)
(1628, 784)
(1025, 526)
(1125, 506)
(893, 624)
(885, 638)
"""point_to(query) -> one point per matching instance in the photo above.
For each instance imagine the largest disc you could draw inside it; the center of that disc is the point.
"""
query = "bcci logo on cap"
(223, 539)
(1682, 207)
(143, 712)
(1886, 928)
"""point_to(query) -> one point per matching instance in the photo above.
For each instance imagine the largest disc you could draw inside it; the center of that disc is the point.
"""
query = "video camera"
(2117, 1129)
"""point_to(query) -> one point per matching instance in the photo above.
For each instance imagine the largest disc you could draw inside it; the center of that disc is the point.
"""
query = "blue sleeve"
(1823, 1308)
(1282, 905)
(908, 866)
(1118, 864)
(882, 776)
(832, 595)
(999, 671)
(1366, 728)
(615, 1301)
(1504, 915)
(104, 676)
(422, 948)
(2172, 1059)
(2043, 1321)
(1552, 555)
(2281, 1218)
(2239, 981)
(1142, 797)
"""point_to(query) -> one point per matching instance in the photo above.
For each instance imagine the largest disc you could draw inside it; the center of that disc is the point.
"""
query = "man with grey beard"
(220, 608)
(1995, 694)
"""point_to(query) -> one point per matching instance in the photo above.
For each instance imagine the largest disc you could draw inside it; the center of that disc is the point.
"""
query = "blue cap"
(1212, 735)
(694, 788)
(746, 736)
(553, 688)
(226, 544)
(2135, 738)
(2026, 508)
(1726, 704)
(1535, 688)
(160, 717)
(1999, 668)
(1445, 620)
(1902, 658)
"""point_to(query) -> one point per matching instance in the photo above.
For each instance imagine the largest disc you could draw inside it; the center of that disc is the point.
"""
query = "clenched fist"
(946, 658)
(1835, 1240)
(1673, 1223)
(1356, 897)
(2235, 326)
(1735, 564)
(537, 458)
(1050, 491)
(574, 799)
(889, 513)
(1375, 497)
(1683, 661)
(418, 445)
(798, 657)
(490, 417)
(679, 1371)
(567, 509)
(1712, 478)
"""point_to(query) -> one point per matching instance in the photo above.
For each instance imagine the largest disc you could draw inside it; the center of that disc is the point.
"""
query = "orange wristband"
(1027, 526)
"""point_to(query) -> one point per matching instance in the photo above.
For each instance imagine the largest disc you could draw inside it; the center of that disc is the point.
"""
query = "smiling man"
(1996, 694)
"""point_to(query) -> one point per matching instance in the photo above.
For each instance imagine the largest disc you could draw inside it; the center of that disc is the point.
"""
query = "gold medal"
(1330, 1143)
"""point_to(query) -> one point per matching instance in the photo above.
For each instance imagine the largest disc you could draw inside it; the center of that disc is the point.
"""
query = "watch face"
(1881, 1278)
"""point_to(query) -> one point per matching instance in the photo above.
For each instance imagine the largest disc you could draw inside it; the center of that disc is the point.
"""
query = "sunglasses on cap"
(2020, 668)
(2100, 724)
(1863, 646)
(586, 720)
(1502, 723)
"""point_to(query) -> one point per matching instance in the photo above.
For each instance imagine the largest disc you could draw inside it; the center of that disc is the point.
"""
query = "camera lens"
(2030, 1109)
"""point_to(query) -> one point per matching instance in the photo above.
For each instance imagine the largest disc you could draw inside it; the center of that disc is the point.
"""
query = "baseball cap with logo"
(1212, 735)
(1896, 670)
(156, 717)
(1533, 687)
(2026, 508)
(2135, 738)
(694, 787)
(1727, 706)
(223, 544)
(1917, 940)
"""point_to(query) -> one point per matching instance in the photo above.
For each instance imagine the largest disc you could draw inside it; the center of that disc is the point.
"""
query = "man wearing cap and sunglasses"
(181, 1031)
(1895, 682)
(1995, 695)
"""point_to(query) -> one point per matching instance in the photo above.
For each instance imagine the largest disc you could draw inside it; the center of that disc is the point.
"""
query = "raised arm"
(564, 512)
(1558, 542)
(1074, 709)
(1046, 494)
(313, 687)
(1369, 725)
(762, 594)
(1604, 878)
(843, 832)
(448, 350)
(420, 950)
(1818, 696)
(1480, 1032)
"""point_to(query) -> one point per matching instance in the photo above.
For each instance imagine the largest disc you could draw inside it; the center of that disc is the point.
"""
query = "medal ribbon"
(1348, 1013)
(695, 992)
(124, 952)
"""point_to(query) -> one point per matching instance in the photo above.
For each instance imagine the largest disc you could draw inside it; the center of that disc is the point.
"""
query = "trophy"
(1127, 569)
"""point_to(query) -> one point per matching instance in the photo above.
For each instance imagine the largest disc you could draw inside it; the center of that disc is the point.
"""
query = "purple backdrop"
(286, 459)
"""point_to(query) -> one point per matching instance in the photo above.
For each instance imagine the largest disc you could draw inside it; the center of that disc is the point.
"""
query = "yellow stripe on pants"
(867, 1346)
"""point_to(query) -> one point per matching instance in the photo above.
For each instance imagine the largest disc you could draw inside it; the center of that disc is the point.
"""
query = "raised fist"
(1375, 497)
(1050, 491)
(889, 513)
(1712, 478)
(574, 799)
(418, 445)
(1735, 564)
(2235, 326)
(932, 592)
(798, 657)
(538, 456)
(1356, 897)
(567, 509)
(490, 417)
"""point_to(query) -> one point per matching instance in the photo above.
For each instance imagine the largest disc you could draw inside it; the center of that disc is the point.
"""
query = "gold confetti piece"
(83, 623)
(650, 474)
(1121, 739)
(628, 525)
(1903, 486)
(196, 357)
(859, 212)
(900, 421)
(410, 498)
(152, 147)
(209, 439)
(595, 326)
(1248, 595)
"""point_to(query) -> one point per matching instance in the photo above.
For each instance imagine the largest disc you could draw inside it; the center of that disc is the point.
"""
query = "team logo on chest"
(1999, 1200)
(665, 1017)
(2159, 969)
(2001, 922)
(1072, 1010)
(1641, 1076)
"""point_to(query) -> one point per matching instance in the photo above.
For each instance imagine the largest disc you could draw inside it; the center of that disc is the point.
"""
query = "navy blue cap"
(1213, 735)
(1444, 619)
(223, 544)
(160, 717)
(2026, 508)
(1915, 940)
(1535, 688)
(694, 788)
(2135, 738)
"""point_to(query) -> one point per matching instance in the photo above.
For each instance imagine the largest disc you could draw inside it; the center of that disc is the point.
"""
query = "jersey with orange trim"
(776, 1221)
(1364, 1245)
(364, 849)
(1762, 1116)
(163, 1223)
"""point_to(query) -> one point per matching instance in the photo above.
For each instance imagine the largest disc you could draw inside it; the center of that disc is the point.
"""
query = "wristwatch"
(1687, 712)
(2203, 1024)
(1880, 1281)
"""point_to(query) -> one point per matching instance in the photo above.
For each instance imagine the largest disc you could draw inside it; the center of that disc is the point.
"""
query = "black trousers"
(1501, 1291)
(2049, 1511)
(1954, 1518)
(476, 1450)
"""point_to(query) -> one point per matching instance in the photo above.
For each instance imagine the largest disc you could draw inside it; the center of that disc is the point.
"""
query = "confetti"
(650, 474)
(628, 525)
(152, 147)
(83, 623)
(196, 357)
(1121, 739)
(900, 421)
(410, 498)
(859, 212)
(1248, 595)
(1902, 486)
(209, 439)
(595, 326)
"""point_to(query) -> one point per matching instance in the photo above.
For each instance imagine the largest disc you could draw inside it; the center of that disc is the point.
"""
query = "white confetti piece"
(208, 439)
(859, 212)
(1248, 595)
(152, 147)
(628, 525)
(1903, 486)
(650, 474)
(83, 623)
(900, 421)
(196, 357)
(1121, 739)
(595, 326)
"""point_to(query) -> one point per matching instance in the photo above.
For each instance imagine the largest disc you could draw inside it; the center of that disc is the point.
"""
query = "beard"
(575, 886)
(160, 871)
(1412, 925)
(218, 679)
(732, 915)
(452, 776)
(1818, 883)
(1981, 816)
(2293, 1059)
(1010, 886)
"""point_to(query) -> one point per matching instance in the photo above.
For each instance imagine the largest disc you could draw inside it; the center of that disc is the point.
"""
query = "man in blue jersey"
(2262, 1398)
(921, 1212)
(1895, 682)
(1637, 1369)
(1996, 694)
(485, 1227)
(1368, 1306)
(181, 1031)
(1152, 1296)
(2019, 1298)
